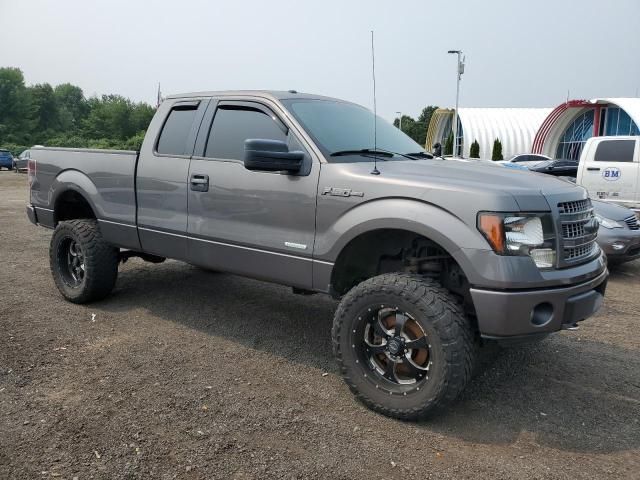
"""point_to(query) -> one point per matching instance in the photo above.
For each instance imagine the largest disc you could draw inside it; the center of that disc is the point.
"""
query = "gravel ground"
(182, 373)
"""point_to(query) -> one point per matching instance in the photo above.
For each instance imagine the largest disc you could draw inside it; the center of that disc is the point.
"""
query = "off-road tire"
(453, 344)
(100, 261)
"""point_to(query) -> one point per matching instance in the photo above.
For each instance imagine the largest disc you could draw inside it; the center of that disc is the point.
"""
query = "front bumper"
(620, 244)
(504, 314)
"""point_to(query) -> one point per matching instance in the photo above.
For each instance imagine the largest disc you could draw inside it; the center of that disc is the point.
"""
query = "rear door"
(610, 170)
(162, 178)
(258, 224)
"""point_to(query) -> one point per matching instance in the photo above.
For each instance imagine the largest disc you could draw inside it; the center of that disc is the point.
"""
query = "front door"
(258, 224)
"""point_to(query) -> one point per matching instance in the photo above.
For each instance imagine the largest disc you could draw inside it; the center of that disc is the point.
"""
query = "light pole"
(459, 72)
(399, 120)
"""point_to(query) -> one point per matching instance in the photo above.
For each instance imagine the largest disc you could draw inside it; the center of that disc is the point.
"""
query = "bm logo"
(611, 174)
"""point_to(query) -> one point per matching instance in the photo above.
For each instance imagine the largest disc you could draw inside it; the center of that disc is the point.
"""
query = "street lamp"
(459, 72)
(400, 120)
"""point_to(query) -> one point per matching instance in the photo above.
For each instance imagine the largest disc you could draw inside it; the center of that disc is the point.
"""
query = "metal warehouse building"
(559, 132)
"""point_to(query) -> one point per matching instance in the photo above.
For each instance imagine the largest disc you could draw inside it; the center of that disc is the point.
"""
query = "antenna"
(375, 170)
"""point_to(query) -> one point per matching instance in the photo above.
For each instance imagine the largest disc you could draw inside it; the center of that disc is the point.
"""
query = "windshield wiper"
(382, 152)
(363, 151)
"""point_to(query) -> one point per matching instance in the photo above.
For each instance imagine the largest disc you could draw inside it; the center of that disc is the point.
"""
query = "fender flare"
(76, 181)
(419, 217)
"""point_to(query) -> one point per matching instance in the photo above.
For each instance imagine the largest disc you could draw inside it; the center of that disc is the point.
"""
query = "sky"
(518, 54)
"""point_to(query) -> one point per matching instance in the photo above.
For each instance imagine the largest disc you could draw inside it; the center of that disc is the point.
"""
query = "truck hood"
(461, 187)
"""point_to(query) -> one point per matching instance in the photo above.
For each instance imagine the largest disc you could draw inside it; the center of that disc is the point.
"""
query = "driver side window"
(232, 125)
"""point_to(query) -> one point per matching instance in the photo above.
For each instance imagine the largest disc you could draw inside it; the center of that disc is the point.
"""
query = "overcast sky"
(518, 53)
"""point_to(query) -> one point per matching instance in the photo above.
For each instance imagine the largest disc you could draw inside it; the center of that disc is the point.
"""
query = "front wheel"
(403, 345)
(83, 265)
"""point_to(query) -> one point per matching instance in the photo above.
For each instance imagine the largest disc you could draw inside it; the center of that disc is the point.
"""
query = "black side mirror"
(271, 156)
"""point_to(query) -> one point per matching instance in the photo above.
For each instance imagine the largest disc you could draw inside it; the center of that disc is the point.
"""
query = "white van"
(610, 169)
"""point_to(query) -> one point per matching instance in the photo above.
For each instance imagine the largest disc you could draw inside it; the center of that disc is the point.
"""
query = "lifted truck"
(429, 257)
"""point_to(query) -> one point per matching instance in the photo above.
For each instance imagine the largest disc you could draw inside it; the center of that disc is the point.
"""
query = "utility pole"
(399, 120)
(459, 72)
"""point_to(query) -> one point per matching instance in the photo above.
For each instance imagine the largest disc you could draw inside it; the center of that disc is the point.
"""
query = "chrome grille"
(577, 253)
(572, 230)
(579, 231)
(575, 206)
(632, 222)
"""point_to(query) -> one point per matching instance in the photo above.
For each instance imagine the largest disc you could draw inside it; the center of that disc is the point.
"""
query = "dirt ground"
(187, 374)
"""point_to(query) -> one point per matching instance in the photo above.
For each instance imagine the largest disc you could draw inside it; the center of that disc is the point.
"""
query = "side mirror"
(271, 156)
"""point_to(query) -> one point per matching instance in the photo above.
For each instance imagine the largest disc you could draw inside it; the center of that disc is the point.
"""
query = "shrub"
(496, 154)
(474, 151)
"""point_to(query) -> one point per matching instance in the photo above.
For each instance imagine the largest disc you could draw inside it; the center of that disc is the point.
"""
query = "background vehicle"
(6, 159)
(558, 168)
(528, 157)
(610, 169)
(21, 163)
(429, 257)
(619, 232)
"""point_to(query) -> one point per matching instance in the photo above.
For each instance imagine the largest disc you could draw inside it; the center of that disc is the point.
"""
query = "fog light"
(543, 257)
(617, 246)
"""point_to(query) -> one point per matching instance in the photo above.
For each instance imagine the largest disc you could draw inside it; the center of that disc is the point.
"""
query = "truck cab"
(610, 169)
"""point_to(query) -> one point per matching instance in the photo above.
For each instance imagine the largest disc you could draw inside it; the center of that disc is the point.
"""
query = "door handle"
(593, 169)
(199, 183)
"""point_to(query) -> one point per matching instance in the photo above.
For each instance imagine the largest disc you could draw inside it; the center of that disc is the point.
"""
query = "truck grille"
(632, 222)
(579, 231)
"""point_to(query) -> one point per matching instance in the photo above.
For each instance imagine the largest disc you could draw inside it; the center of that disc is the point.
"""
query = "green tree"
(14, 106)
(417, 129)
(496, 153)
(43, 111)
(448, 145)
(474, 151)
(72, 106)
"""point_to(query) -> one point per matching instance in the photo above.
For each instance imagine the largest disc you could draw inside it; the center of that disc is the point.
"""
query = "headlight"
(608, 223)
(524, 234)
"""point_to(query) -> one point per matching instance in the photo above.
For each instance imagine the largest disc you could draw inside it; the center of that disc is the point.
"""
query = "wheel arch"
(407, 219)
(74, 197)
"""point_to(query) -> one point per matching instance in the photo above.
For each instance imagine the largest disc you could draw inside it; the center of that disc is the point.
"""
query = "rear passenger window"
(233, 125)
(174, 135)
(615, 151)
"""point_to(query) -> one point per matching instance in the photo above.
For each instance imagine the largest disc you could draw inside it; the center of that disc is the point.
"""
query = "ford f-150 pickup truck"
(429, 257)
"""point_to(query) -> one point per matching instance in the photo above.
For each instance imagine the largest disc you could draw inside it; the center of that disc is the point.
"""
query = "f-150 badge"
(341, 192)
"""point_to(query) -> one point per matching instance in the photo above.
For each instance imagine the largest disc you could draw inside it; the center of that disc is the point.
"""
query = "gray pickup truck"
(429, 258)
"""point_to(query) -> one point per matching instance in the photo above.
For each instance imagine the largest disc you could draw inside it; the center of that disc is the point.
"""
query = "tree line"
(62, 116)
(417, 129)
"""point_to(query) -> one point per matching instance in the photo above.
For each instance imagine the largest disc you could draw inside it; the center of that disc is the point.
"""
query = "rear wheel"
(403, 345)
(83, 265)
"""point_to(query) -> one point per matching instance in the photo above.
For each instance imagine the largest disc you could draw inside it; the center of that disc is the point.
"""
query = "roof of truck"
(273, 94)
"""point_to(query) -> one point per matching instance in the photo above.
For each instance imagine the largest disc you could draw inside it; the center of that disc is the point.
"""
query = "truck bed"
(107, 177)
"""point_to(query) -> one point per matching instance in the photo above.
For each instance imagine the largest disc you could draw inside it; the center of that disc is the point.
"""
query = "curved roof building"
(514, 127)
(559, 132)
(566, 129)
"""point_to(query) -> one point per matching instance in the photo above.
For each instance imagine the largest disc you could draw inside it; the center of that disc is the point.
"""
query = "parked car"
(610, 169)
(528, 157)
(428, 257)
(619, 232)
(20, 164)
(6, 159)
(558, 168)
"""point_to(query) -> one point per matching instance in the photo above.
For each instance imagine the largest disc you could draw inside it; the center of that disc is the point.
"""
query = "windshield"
(338, 126)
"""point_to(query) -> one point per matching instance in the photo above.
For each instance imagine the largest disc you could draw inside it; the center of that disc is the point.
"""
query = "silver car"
(619, 232)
